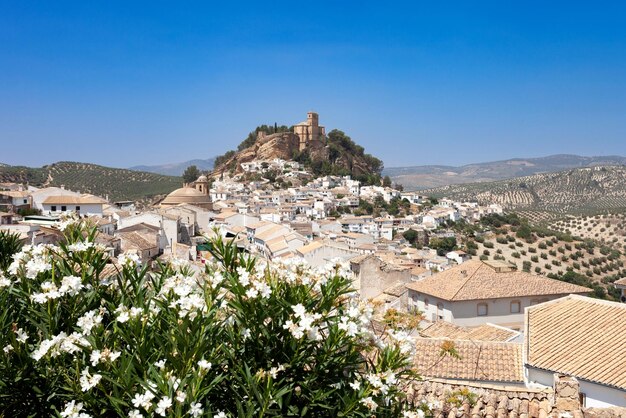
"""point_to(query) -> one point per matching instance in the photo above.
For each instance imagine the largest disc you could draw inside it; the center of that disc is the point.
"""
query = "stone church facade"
(309, 130)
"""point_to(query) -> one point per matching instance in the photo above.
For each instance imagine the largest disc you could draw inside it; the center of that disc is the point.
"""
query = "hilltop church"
(309, 130)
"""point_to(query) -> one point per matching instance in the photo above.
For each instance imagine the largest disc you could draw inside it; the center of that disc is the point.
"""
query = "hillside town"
(504, 324)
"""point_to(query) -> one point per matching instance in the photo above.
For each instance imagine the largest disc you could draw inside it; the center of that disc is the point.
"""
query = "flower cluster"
(59, 344)
(305, 323)
(270, 336)
(33, 260)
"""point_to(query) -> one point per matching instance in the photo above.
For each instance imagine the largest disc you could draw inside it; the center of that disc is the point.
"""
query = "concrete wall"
(322, 255)
(375, 276)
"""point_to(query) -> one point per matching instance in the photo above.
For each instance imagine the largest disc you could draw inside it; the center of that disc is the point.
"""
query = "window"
(25, 201)
(63, 208)
(426, 303)
(77, 208)
(515, 306)
(440, 310)
(483, 309)
(53, 208)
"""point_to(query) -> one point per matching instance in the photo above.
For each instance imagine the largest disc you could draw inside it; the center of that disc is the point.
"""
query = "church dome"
(185, 195)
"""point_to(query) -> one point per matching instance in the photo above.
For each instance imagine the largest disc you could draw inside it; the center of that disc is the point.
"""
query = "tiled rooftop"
(579, 336)
(475, 280)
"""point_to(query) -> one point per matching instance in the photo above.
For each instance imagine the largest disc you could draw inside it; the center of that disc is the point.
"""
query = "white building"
(475, 293)
(81, 205)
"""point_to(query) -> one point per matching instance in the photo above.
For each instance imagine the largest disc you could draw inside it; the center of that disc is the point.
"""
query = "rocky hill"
(116, 183)
(336, 154)
(579, 190)
(429, 176)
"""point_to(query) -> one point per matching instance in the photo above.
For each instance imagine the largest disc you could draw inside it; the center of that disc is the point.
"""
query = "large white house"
(580, 337)
(477, 292)
(83, 204)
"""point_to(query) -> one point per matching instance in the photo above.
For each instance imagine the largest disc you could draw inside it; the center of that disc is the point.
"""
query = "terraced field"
(116, 183)
(583, 190)
(601, 262)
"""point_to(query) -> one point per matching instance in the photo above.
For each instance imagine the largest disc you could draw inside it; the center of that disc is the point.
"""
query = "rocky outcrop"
(344, 157)
(283, 145)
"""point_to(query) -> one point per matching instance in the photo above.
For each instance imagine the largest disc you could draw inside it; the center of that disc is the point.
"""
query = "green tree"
(410, 235)
(10, 244)
(386, 181)
(443, 245)
(191, 174)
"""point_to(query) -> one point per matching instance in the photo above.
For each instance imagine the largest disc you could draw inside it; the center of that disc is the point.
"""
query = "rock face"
(286, 146)
(283, 145)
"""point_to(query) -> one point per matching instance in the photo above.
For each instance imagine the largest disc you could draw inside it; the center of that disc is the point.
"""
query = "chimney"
(463, 273)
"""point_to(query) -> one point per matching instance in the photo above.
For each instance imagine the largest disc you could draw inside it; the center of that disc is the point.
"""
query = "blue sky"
(125, 83)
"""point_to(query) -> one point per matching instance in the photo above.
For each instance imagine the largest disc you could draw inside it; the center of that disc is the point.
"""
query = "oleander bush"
(240, 338)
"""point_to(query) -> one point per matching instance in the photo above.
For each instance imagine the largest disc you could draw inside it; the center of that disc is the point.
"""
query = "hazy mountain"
(428, 176)
(176, 169)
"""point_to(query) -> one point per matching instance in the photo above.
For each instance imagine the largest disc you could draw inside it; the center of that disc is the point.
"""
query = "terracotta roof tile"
(485, 332)
(579, 336)
(475, 280)
(485, 360)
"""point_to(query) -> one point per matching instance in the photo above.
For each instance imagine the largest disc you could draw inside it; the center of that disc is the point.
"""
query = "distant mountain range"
(429, 176)
(176, 169)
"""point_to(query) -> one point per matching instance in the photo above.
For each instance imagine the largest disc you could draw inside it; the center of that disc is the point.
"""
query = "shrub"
(240, 337)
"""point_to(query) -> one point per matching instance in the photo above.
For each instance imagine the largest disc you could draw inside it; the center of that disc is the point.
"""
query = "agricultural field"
(116, 183)
(589, 260)
(577, 191)
(607, 228)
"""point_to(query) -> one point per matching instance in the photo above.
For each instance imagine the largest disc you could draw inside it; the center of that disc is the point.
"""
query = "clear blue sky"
(122, 83)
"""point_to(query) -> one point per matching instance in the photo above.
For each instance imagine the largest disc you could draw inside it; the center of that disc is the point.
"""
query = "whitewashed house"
(476, 292)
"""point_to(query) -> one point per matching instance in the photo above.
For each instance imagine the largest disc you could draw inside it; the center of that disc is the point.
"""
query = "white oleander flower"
(21, 335)
(196, 410)
(89, 320)
(163, 405)
(71, 285)
(204, 365)
(72, 410)
(88, 381)
(369, 403)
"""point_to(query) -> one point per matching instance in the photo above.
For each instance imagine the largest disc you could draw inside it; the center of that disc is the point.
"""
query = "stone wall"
(500, 401)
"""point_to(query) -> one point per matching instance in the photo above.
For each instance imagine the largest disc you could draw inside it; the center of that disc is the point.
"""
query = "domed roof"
(202, 178)
(185, 195)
